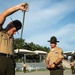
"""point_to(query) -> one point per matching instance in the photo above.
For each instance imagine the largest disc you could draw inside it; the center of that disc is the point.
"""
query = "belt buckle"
(10, 56)
(7, 55)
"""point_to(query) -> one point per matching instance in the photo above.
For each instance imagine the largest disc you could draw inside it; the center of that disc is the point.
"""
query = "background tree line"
(21, 44)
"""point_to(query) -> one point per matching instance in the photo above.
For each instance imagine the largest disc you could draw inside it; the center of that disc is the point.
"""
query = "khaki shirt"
(6, 43)
(54, 54)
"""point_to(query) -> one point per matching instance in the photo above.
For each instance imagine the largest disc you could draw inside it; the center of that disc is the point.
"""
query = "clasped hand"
(51, 66)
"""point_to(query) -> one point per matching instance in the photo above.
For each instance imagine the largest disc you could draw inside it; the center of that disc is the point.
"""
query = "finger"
(25, 4)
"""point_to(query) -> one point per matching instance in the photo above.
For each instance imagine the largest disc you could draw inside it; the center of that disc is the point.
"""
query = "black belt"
(56, 68)
(6, 55)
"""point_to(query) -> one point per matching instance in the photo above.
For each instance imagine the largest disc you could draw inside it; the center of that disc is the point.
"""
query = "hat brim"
(51, 41)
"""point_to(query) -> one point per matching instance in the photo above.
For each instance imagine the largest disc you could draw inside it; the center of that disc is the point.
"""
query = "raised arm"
(11, 10)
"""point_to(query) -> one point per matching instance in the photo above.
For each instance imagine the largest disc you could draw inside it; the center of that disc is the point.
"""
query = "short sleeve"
(0, 36)
(48, 56)
(61, 54)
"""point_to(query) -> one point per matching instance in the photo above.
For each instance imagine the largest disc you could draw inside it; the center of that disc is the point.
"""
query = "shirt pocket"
(56, 54)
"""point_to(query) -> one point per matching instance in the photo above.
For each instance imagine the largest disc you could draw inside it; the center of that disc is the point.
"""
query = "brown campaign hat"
(53, 39)
(17, 24)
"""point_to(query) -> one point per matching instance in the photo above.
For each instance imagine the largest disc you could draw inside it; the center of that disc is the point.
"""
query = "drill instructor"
(7, 64)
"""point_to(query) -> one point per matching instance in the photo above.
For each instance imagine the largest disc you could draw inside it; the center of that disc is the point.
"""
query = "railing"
(31, 66)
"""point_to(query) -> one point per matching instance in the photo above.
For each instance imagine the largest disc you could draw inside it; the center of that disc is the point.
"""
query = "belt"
(56, 68)
(6, 55)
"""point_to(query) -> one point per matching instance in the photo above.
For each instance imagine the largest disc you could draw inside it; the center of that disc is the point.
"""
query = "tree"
(19, 43)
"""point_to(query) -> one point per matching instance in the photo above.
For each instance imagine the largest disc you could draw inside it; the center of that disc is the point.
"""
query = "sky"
(45, 18)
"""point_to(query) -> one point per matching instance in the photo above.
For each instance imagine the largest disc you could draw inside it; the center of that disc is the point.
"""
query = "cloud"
(44, 23)
(65, 35)
(52, 14)
(45, 19)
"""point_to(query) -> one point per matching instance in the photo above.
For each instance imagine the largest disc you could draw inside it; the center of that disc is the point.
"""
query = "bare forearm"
(47, 62)
(11, 10)
(7, 13)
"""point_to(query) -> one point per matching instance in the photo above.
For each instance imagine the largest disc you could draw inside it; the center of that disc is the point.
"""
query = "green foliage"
(21, 44)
